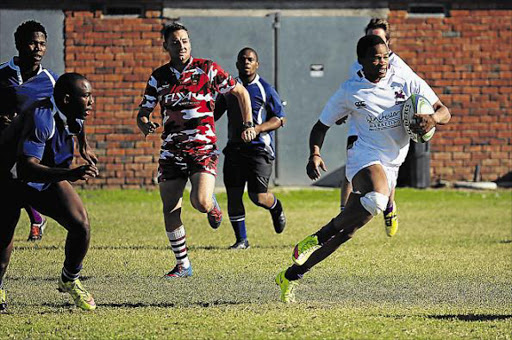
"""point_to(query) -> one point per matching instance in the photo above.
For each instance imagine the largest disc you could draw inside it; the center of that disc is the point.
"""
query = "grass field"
(445, 275)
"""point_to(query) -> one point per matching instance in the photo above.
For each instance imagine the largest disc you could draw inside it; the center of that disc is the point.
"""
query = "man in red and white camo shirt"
(186, 88)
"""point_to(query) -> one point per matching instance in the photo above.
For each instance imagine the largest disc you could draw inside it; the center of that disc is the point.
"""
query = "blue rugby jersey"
(16, 95)
(46, 136)
(265, 103)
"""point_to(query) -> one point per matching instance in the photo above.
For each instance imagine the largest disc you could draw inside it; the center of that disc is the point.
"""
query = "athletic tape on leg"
(374, 202)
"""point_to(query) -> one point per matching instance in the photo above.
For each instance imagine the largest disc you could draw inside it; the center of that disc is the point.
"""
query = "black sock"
(326, 232)
(295, 272)
(68, 275)
(277, 207)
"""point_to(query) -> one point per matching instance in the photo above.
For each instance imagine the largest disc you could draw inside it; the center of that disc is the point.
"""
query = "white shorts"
(359, 158)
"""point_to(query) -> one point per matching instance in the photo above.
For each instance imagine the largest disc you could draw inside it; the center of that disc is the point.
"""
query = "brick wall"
(117, 55)
(466, 58)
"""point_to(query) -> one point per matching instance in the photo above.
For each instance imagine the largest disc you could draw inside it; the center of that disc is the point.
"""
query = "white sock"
(177, 238)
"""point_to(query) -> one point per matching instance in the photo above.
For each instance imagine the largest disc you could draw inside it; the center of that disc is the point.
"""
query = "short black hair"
(243, 50)
(24, 32)
(66, 84)
(173, 27)
(366, 42)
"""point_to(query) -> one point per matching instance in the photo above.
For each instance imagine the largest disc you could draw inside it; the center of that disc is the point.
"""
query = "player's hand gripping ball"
(417, 104)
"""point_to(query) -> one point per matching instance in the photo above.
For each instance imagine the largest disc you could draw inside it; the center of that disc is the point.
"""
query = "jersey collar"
(16, 68)
(178, 73)
(255, 80)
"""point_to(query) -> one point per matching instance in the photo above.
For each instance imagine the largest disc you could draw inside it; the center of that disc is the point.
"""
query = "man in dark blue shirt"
(24, 81)
(36, 154)
(251, 162)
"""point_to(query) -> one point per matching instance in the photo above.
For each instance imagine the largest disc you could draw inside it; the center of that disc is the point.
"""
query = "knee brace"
(374, 202)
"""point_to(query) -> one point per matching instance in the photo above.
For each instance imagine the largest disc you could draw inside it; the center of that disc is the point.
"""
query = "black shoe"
(278, 218)
(244, 244)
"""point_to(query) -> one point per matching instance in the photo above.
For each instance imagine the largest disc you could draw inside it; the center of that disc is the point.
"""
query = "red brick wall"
(117, 55)
(466, 57)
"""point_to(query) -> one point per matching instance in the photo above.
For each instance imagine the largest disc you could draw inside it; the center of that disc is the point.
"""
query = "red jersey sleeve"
(220, 79)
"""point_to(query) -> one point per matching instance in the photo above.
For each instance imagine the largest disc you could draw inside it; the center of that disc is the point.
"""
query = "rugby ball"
(417, 104)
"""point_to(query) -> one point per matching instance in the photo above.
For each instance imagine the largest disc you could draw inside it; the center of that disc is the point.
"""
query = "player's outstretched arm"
(31, 170)
(244, 101)
(145, 125)
(315, 161)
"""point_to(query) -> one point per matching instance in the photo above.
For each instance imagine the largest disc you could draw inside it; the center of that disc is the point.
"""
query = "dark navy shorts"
(246, 165)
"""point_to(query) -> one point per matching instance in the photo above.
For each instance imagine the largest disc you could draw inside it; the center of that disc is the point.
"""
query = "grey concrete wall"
(303, 41)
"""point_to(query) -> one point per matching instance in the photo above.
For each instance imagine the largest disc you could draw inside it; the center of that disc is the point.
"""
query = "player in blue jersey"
(23, 81)
(251, 162)
(36, 154)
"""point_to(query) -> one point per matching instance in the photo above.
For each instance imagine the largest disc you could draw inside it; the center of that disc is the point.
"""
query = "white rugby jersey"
(394, 60)
(374, 109)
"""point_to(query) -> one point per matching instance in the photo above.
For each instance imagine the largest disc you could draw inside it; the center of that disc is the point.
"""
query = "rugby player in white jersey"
(380, 27)
(373, 98)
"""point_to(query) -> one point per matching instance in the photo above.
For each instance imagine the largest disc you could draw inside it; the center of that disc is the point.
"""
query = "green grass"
(445, 275)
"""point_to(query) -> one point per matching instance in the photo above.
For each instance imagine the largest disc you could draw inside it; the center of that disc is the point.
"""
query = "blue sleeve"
(34, 141)
(274, 105)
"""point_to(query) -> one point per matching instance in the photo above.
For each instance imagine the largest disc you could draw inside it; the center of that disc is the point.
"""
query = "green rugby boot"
(287, 288)
(83, 299)
(391, 221)
(304, 249)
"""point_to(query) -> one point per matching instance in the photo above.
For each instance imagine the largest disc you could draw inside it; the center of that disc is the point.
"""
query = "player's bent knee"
(80, 230)
(259, 199)
(202, 205)
(374, 202)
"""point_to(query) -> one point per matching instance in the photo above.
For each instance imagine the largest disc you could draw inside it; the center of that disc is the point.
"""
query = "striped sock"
(70, 275)
(274, 204)
(177, 238)
(238, 224)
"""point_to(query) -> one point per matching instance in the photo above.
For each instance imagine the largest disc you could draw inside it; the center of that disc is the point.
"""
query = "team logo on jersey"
(399, 94)
(178, 98)
(360, 104)
(195, 78)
